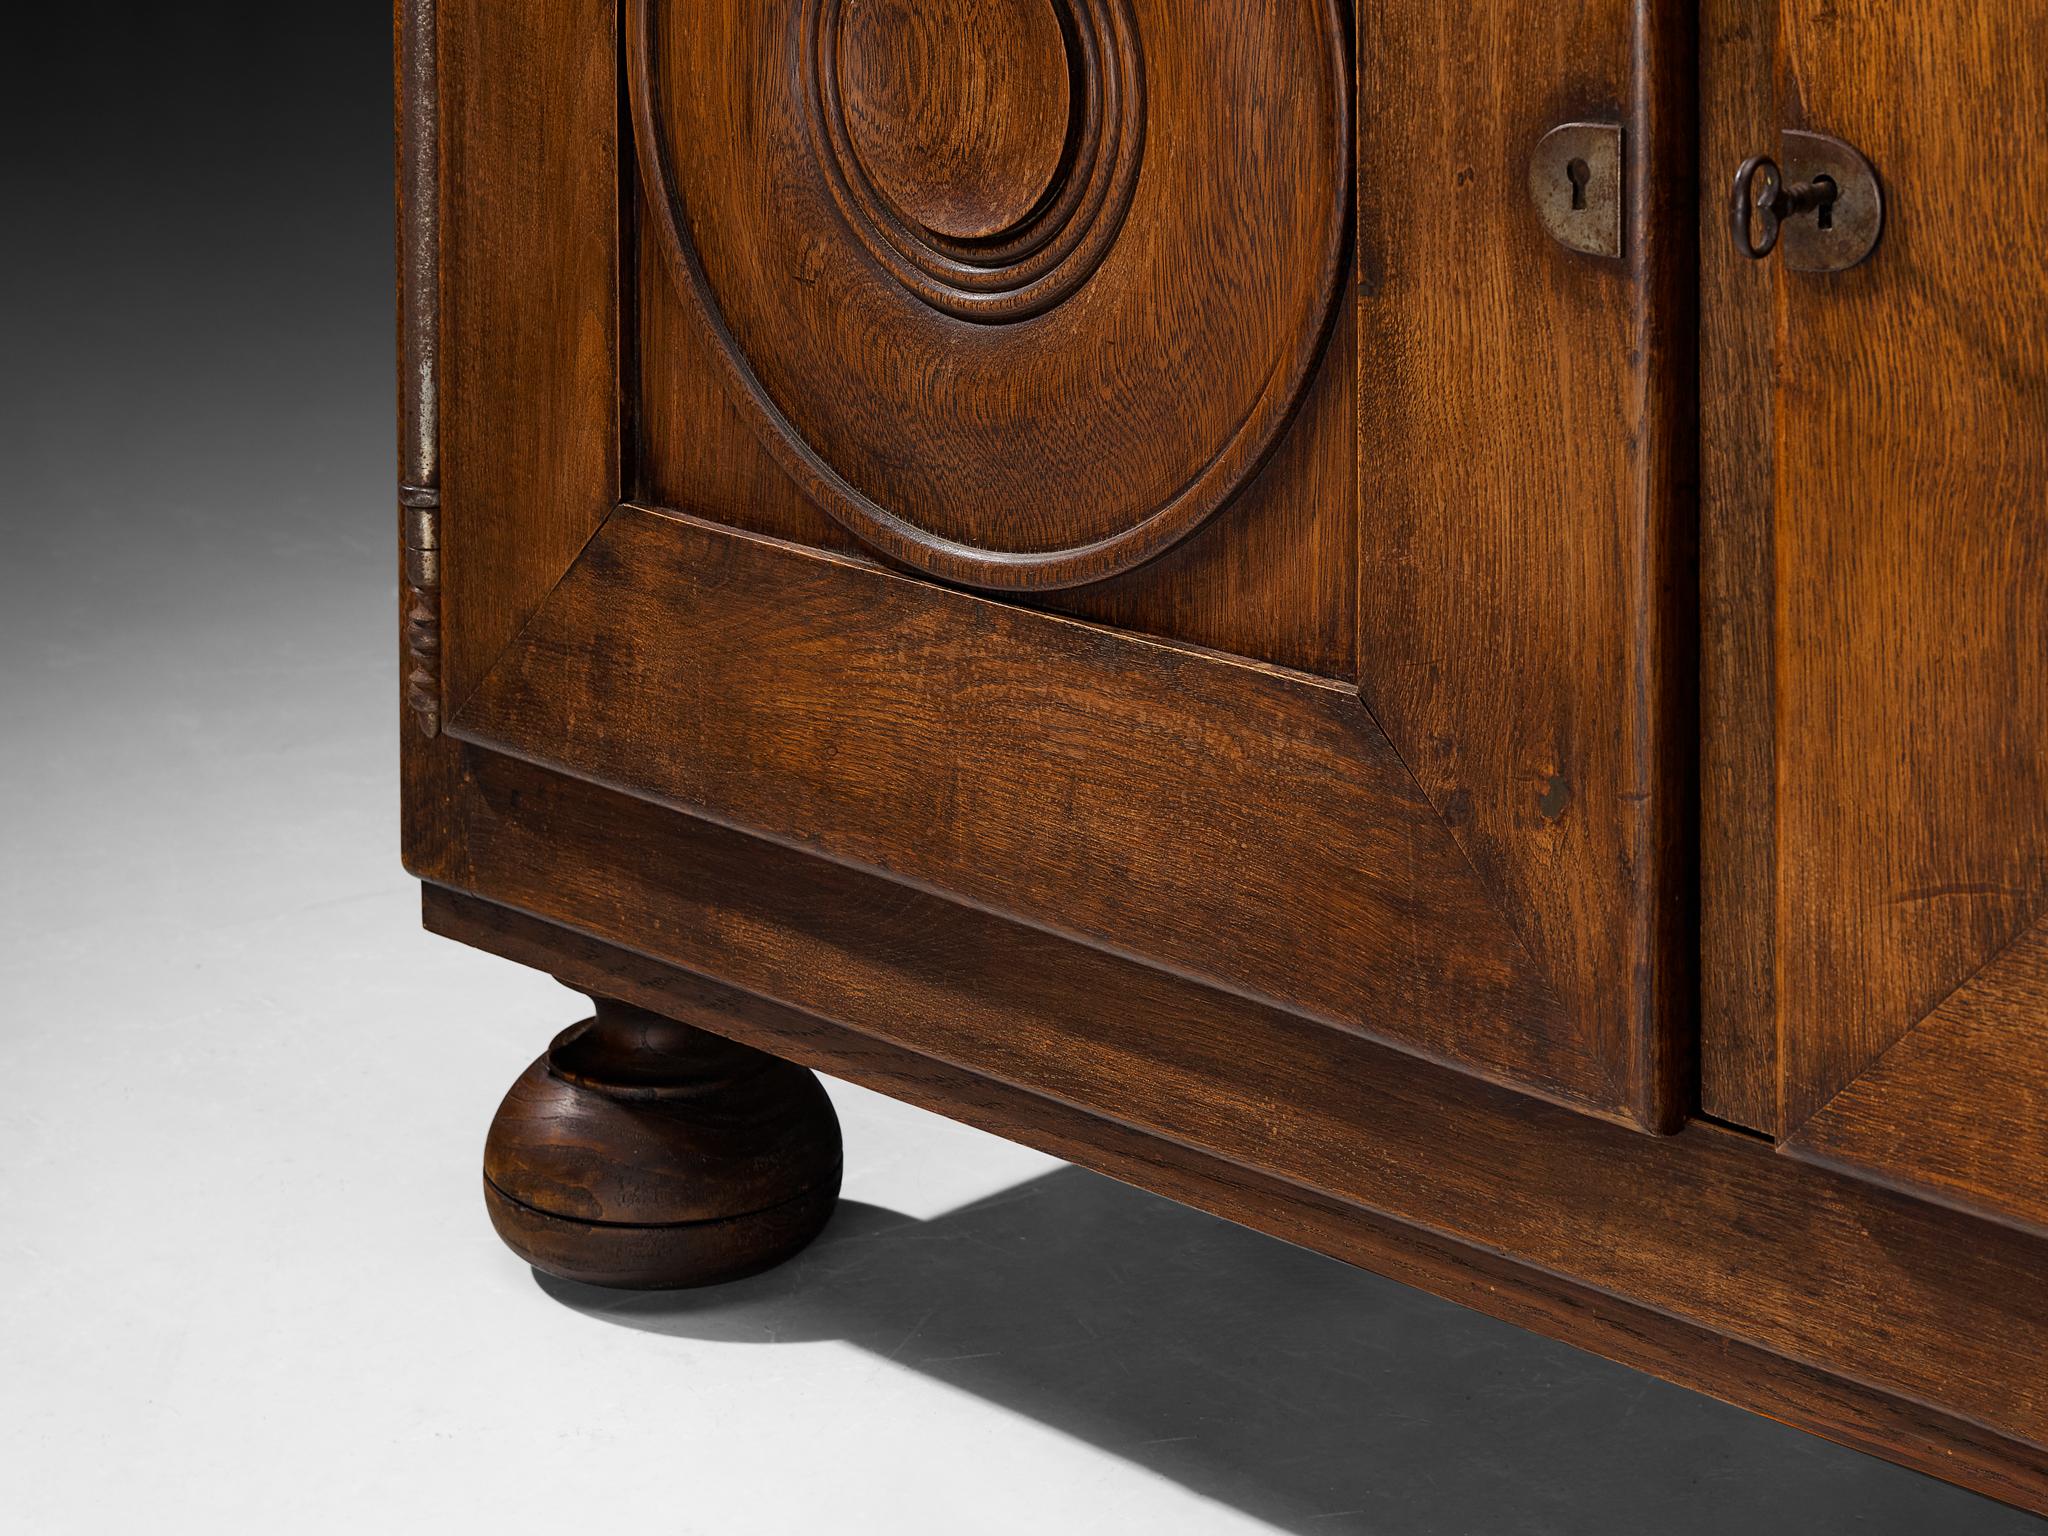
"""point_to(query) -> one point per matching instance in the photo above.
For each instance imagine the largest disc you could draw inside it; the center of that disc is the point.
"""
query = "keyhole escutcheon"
(1824, 205)
(1575, 183)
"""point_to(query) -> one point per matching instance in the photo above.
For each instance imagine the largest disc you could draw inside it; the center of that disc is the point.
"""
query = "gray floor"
(246, 1283)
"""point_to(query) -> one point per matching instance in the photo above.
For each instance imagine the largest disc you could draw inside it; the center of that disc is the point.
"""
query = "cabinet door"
(1135, 467)
(1876, 574)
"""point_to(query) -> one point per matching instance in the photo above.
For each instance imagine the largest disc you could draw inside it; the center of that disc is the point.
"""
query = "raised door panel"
(1892, 805)
(1065, 470)
(1043, 374)
(1957, 1109)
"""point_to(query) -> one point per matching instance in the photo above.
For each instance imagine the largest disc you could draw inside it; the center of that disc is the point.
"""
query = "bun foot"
(649, 1155)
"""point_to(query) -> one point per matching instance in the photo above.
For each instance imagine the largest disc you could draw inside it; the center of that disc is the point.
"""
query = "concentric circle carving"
(961, 109)
(1022, 292)
(933, 118)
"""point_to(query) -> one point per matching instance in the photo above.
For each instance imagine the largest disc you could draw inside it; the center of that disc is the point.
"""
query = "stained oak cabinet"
(1315, 605)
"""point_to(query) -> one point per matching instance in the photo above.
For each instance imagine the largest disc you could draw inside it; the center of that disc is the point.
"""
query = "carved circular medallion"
(958, 109)
(1019, 291)
(984, 151)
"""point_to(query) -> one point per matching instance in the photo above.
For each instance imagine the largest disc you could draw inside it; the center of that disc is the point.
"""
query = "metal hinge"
(419, 456)
(422, 597)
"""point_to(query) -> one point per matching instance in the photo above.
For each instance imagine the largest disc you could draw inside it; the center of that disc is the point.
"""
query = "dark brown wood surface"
(1814, 1399)
(1913, 543)
(1904, 756)
(1522, 507)
(416, 146)
(1066, 376)
(1957, 1109)
(1737, 565)
(427, 764)
(1810, 1398)
(1211, 815)
(645, 1154)
(1273, 579)
(1538, 729)
(1390, 744)
(1710, 1226)
(529, 327)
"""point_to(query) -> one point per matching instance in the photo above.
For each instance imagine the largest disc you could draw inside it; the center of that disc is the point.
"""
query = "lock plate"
(1844, 230)
(1575, 182)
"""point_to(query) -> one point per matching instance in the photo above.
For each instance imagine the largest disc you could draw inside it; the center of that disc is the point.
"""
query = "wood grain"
(1908, 753)
(1524, 414)
(530, 352)
(1738, 679)
(1957, 1110)
(1131, 354)
(1709, 1226)
(1854, 1414)
(1274, 579)
(427, 763)
(959, 111)
(1204, 814)
(1225, 923)
(417, 151)
(1912, 542)
(644, 1154)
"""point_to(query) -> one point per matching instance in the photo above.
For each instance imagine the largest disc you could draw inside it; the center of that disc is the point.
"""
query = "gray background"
(245, 1276)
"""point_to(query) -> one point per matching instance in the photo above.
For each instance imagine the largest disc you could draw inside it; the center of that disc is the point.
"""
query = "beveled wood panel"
(1524, 512)
(1003, 365)
(1274, 578)
(529, 325)
(1957, 1109)
(1708, 1226)
(1204, 814)
(1912, 495)
(1853, 1413)
(1909, 757)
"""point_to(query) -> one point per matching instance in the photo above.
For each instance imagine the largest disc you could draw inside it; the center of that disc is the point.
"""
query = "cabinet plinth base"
(646, 1154)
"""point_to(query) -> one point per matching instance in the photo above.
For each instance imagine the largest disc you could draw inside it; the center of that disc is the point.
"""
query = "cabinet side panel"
(529, 282)
(426, 836)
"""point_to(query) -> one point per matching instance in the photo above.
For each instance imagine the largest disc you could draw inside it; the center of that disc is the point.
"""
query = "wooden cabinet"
(1094, 565)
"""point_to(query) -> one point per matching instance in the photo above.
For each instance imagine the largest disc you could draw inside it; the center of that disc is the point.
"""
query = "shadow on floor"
(1314, 1396)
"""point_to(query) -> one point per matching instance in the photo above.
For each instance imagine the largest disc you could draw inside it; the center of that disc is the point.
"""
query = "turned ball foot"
(647, 1154)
